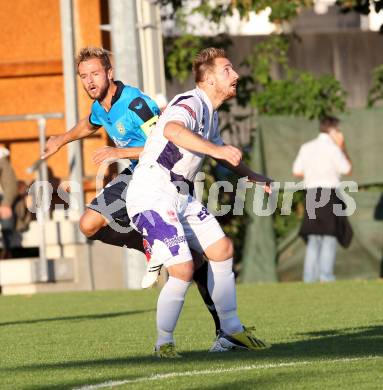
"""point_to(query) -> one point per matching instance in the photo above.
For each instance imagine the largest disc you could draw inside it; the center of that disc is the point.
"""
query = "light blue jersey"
(130, 118)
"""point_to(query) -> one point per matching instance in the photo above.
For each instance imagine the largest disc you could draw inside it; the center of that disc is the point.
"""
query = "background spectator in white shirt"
(320, 163)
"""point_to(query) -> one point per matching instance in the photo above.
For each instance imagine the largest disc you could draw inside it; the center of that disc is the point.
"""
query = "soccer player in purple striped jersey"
(162, 208)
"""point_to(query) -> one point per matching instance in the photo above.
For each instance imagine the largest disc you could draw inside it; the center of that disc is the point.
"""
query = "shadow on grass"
(376, 330)
(98, 316)
(300, 378)
(329, 344)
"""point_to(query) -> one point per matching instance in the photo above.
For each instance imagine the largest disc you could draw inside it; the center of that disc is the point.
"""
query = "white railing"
(41, 195)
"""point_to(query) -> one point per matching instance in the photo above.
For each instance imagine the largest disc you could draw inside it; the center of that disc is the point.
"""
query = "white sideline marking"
(219, 371)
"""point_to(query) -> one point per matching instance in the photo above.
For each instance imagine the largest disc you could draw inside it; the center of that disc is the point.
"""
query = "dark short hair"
(204, 61)
(88, 53)
(328, 122)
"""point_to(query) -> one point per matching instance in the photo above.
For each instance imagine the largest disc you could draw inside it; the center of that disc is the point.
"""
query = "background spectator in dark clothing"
(8, 195)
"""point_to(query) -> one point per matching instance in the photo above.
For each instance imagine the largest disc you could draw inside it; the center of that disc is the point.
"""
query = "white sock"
(221, 285)
(169, 305)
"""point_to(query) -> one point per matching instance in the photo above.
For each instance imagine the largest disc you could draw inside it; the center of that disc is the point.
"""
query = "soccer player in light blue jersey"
(127, 115)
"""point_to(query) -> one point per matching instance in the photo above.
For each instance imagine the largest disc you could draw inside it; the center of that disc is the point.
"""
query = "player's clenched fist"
(228, 153)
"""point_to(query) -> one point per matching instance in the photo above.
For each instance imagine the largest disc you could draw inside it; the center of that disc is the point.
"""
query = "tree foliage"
(293, 92)
(376, 91)
(301, 94)
(215, 11)
(296, 93)
(179, 53)
(280, 10)
(361, 6)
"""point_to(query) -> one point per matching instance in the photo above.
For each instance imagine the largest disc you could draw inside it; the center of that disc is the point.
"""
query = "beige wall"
(31, 78)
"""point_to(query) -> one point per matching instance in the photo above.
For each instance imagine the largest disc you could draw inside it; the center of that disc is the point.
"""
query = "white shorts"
(169, 222)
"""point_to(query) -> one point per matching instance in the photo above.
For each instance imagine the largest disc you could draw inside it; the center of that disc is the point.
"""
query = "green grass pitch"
(324, 336)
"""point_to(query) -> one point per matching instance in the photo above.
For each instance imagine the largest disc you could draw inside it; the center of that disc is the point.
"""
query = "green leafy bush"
(376, 91)
(180, 52)
(301, 94)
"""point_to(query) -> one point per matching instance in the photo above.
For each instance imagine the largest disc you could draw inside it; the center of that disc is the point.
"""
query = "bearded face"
(94, 78)
(226, 79)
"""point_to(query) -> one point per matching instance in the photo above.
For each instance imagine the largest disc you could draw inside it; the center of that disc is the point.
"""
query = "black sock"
(200, 277)
(131, 239)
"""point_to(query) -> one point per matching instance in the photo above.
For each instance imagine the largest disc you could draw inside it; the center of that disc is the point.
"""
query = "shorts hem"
(176, 260)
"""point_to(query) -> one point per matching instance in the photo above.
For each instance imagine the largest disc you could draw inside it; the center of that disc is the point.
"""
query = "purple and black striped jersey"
(195, 111)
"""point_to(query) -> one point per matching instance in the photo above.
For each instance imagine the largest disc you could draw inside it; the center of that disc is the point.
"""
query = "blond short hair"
(89, 53)
(204, 61)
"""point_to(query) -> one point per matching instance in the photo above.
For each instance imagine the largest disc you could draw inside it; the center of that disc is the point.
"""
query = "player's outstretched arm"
(81, 130)
(111, 153)
(181, 136)
(243, 170)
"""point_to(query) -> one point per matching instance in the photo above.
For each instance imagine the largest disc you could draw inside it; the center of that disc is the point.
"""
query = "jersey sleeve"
(216, 138)
(186, 109)
(93, 119)
(145, 112)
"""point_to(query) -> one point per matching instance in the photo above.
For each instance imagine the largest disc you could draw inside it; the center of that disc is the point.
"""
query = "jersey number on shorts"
(203, 213)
